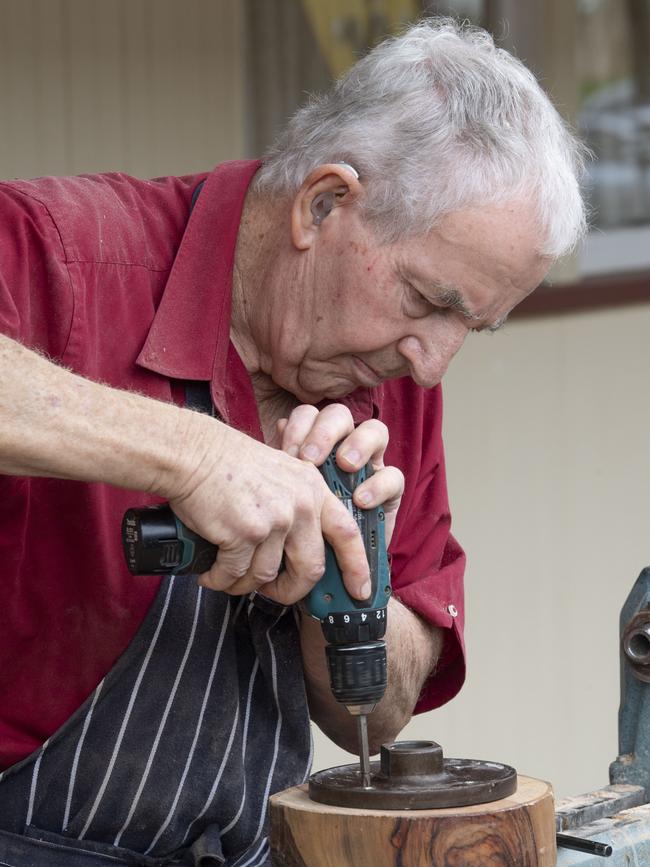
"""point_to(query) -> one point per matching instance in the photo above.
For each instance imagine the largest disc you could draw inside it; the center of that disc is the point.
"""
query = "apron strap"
(198, 397)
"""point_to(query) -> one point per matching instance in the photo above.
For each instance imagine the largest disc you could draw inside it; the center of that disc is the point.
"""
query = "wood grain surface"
(518, 831)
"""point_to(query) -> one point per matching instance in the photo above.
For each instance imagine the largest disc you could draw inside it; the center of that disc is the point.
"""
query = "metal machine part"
(635, 644)
(414, 775)
(617, 817)
(360, 713)
(633, 762)
(578, 844)
(580, 810)
(364, 750)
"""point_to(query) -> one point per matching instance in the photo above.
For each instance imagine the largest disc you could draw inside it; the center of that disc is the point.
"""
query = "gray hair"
(436, 120)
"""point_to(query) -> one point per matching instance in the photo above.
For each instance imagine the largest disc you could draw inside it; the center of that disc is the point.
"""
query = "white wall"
(547, 431)
(148, 87)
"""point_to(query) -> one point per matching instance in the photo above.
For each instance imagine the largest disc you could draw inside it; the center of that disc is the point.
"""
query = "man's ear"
(325, 189)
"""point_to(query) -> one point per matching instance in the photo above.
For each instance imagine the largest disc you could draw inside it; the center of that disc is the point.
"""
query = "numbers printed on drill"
(346, 626)
(356, 616)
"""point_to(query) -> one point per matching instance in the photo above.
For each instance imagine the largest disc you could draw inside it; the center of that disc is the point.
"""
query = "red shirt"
(112, 277)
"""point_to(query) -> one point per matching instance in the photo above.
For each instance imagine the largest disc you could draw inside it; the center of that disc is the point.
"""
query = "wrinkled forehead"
(502, 239)
(510, 229)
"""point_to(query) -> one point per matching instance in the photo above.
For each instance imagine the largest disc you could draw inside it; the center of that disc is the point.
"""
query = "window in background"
(613, 59)
(593, 58)
(613, 67)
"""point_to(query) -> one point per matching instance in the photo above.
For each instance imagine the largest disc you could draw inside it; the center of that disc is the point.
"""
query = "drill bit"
(364, 751)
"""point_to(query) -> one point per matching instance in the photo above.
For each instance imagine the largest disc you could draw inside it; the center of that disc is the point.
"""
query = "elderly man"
(314, 297)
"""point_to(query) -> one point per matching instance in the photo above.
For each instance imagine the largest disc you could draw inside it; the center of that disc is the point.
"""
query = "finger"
(287, 589)
(231, 565)
(304, 558)
(332, 424)
(385, 488)
(264, 567)
(298, 579)
(280, 425)
(297, 428)
(341, 531)
(366, 443)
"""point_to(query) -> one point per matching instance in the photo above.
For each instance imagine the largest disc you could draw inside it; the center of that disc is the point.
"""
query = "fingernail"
(310, 452)
(365, 497)
(352, 457)
(293, 451)
(365, 590)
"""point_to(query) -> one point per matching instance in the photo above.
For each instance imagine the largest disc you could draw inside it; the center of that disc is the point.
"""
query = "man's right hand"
(259, 504)
(251, 500)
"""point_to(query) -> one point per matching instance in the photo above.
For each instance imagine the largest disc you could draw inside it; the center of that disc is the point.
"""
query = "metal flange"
(414, 775)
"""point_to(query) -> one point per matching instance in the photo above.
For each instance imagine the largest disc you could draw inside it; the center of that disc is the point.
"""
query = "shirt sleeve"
(427, 563)
(36, 300)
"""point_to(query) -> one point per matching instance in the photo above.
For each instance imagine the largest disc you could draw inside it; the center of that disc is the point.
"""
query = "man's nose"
(429, 351)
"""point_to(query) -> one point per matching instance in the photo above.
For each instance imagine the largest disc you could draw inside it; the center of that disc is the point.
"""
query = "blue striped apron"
(172, 758)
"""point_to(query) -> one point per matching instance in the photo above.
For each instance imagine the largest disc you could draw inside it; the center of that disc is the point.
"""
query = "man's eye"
(417, 304)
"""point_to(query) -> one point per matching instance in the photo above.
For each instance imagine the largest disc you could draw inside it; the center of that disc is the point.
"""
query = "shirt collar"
(190, 333)
(189, 338)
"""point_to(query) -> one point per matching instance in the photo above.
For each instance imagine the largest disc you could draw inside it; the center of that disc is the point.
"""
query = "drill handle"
(156, 542)
(345, 619)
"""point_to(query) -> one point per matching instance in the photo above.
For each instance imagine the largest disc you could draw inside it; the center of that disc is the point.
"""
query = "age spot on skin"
(358, 248)
(229, 476)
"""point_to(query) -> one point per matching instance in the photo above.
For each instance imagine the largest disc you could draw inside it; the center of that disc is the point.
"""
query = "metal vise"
(633, 763)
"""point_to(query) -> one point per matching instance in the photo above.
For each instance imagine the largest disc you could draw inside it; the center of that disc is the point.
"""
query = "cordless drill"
(156, 542)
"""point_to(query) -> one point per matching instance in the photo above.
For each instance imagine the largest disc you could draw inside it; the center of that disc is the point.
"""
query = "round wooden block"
(518, 831)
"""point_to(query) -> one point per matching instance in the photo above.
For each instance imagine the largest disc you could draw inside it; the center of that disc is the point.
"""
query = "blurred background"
(547, 424)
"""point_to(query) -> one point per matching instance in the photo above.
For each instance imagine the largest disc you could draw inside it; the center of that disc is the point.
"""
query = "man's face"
(362, 312)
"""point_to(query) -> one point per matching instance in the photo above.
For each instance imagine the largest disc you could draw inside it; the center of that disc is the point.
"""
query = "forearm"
(413, 649)
(253, 501)
(55, 423)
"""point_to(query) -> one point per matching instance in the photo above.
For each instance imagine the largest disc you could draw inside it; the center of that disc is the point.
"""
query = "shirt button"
(452, 610)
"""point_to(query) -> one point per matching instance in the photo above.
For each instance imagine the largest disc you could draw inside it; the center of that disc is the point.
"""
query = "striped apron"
(172, 758)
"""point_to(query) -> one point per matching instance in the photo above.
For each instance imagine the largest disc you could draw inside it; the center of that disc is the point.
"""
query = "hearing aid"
(323, 203)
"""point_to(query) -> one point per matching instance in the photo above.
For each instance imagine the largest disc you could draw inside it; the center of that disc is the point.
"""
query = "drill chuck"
(358, 672)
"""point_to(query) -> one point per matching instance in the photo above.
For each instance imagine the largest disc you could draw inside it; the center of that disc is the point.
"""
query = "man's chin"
(317, 392)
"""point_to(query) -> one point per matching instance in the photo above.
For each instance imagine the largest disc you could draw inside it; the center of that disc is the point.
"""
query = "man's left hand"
(413, 646)
(311, 434)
